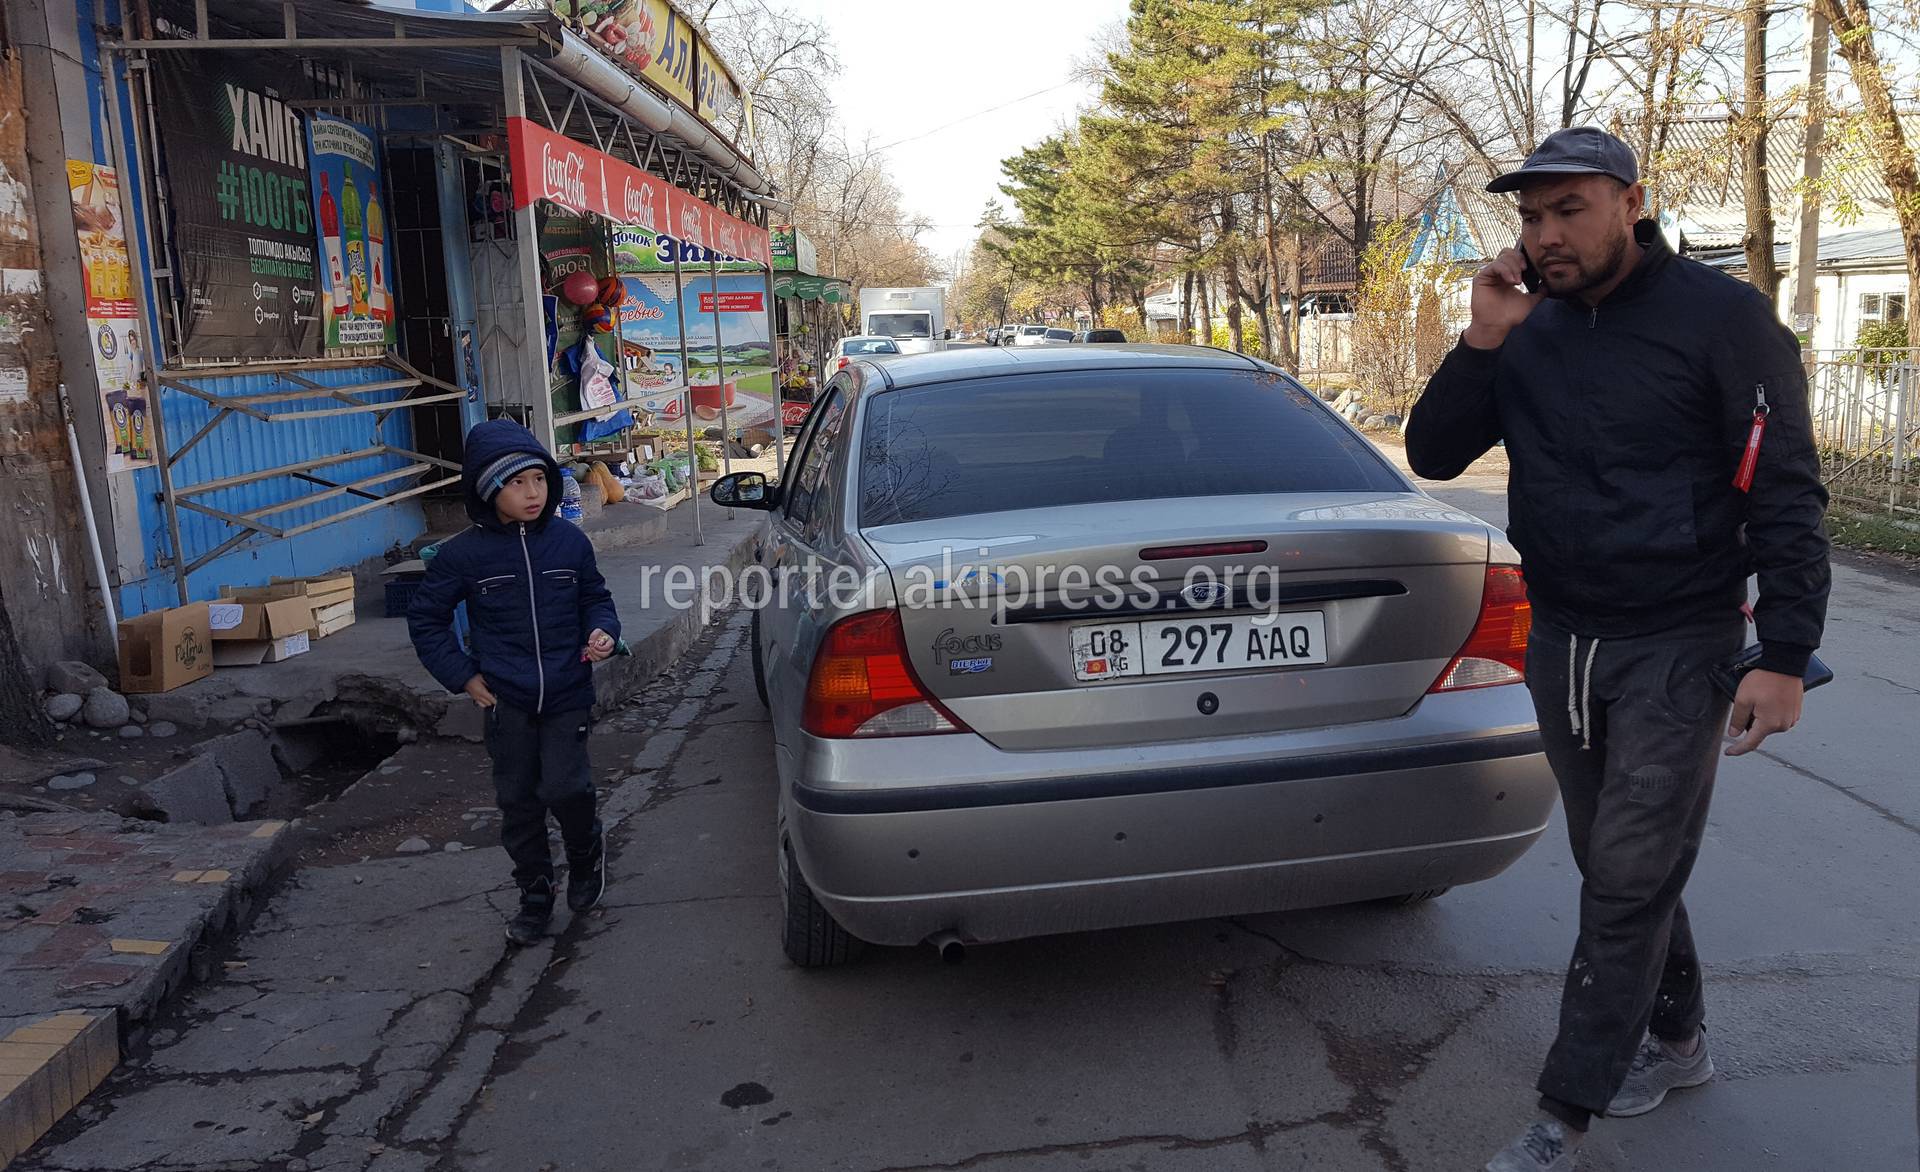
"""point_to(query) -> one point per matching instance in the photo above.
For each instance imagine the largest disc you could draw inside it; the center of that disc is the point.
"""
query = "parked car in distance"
(1030, 336)
(1346, 720)
(1059, 337)
(1100, 336)
(993, 335)
(862, 346)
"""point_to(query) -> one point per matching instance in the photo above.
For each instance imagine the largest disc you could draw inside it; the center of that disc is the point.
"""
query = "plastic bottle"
(377, 298)
(569, 495)
(356, 243)
(330, 244)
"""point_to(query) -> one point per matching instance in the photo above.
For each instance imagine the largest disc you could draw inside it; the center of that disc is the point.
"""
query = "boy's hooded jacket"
(533, 593)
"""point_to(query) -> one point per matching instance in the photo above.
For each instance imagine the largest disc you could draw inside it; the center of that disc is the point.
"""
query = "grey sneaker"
(1547, 1145)
(1657, 1070)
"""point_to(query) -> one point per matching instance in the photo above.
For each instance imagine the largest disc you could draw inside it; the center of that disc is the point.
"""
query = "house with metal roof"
(1860, 279)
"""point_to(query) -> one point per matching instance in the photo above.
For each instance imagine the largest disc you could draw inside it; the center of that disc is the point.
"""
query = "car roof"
(865, 338)
(983, 362)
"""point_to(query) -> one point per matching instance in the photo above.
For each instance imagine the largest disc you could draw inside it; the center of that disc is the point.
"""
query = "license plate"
(1107, 651)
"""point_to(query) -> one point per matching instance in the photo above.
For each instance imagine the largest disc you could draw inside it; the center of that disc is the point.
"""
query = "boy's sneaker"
(1547, 1145)
(587, 876)
(1657, 1069)
(529, 924)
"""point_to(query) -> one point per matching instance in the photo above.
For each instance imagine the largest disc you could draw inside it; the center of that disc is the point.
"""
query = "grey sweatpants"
(1632, 729)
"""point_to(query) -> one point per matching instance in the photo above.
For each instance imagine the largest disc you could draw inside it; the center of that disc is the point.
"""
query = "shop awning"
(413, 58)
(811, 288)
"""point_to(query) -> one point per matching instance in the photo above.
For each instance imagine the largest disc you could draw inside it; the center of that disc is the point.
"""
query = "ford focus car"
(1074, 638)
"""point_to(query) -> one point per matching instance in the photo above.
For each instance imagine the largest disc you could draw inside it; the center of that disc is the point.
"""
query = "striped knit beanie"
(494, 476)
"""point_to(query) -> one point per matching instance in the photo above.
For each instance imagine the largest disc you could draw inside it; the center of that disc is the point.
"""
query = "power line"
(975, 114)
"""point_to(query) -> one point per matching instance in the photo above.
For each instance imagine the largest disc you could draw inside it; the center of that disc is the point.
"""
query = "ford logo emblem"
(1202, 594)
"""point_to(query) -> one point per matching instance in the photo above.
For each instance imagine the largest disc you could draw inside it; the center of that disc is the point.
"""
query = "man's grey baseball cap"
(1579, 150)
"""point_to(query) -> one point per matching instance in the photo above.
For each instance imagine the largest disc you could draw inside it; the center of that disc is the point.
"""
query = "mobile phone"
(1529, 276)
(1727, 674)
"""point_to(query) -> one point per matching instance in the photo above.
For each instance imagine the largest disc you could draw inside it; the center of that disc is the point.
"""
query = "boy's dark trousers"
(540, 765)
(1633, 733)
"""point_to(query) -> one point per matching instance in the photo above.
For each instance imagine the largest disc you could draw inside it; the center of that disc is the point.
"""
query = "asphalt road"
(670, 1032)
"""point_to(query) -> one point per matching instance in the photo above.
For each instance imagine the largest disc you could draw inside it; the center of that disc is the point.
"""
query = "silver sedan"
(1073, 638)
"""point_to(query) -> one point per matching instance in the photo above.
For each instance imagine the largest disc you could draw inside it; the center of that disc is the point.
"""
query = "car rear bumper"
(1008, 857)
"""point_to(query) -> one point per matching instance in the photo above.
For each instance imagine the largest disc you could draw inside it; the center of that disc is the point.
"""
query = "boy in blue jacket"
(540, 616)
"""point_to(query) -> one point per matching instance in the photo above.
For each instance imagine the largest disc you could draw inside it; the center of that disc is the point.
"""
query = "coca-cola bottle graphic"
(330, 244)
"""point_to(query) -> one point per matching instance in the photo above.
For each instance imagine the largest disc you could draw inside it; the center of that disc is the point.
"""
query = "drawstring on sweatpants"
(1580, 697)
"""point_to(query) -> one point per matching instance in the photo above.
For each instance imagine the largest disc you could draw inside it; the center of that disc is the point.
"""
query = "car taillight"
(863, 686)
(1496, 651)
(842, 365)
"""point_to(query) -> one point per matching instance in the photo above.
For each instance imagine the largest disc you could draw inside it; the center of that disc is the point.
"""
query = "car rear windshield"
(872, 346)
(1105, 336)
(1084, 437)
(1033, 329)
(1060, 335)
(901, 325)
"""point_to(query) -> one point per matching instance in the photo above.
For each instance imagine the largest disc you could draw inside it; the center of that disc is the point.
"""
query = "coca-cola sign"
(581, 179)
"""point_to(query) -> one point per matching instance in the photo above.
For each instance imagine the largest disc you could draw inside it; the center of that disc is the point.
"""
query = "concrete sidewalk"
(112, 916)
(355, 1026)
(103, 919)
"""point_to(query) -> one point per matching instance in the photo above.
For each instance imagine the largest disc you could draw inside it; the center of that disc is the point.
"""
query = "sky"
(905, 72)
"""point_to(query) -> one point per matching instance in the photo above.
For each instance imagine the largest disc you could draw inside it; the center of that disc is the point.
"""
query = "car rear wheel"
(811, 937)
(1413, 897)
(759, 664)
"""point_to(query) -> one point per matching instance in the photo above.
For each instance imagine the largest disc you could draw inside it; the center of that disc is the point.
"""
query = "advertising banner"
(356, 298)
(738, 335)
(244, 243)
(717, 94)
(792, 251)
(641, 250)
(581, 179)
(650, 37)
(106, 272)
(650, 347)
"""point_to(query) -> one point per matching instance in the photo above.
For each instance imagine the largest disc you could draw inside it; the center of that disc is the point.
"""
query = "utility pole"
(1806, 240)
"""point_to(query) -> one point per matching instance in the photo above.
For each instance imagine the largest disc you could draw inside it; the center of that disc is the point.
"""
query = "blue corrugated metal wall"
(240, 445)
(243, 445)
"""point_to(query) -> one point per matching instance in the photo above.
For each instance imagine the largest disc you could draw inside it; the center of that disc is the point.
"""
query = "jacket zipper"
(539, 661)
(1593, 321)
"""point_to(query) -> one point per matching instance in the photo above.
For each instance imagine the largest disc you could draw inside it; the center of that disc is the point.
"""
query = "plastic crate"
(400, 594)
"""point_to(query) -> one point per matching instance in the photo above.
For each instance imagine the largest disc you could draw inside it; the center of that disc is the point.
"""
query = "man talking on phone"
(1655, 417)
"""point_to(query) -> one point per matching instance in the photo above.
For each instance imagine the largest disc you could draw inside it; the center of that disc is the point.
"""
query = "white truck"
(916, 319)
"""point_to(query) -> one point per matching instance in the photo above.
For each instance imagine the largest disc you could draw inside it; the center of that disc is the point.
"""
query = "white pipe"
(86, 510)
(580, 62)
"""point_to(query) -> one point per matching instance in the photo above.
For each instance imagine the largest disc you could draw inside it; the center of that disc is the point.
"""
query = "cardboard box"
(259, 621)
(165, 649)
(246, 653)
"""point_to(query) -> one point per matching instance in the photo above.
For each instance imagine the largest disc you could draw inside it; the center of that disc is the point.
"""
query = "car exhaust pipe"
(948, 944)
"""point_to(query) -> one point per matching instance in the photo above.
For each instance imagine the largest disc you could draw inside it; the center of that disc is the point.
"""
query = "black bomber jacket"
(1625, 423)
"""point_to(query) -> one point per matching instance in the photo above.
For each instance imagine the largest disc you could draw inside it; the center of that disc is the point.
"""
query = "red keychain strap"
(1750, 459)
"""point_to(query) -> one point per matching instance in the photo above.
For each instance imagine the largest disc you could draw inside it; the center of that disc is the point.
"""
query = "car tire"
(810, 936)
(1413, 897)
(759, 663)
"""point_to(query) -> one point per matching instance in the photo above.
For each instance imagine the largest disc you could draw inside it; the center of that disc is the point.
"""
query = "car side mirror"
(948, 337)
(744, 490)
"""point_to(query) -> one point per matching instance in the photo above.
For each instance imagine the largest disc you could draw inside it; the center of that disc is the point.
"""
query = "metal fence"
(1867, 426)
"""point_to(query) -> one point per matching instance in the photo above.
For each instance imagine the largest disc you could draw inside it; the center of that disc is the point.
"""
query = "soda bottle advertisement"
(353, 201)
